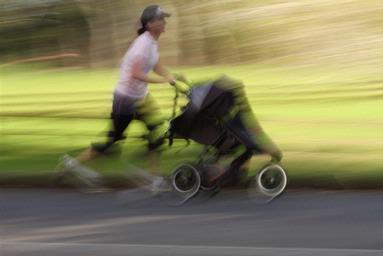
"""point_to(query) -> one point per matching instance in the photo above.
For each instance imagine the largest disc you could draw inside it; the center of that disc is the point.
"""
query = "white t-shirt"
(145, 48)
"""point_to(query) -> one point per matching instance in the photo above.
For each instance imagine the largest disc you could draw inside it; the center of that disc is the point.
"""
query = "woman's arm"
(160, 69)
(138, 74)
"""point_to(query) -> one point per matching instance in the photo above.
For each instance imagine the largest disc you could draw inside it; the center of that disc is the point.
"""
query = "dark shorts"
(123, 105)
(145, 110)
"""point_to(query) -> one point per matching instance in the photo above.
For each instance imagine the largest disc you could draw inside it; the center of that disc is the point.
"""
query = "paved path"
(56, 222)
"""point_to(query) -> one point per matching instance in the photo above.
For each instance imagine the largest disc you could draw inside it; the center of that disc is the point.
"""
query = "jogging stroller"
(217, 116)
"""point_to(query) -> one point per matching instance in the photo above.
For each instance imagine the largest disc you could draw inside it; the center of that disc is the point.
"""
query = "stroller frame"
(196, 173)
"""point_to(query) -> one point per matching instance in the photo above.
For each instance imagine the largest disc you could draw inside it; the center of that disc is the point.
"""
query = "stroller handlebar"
(183, 88)
(180, 87)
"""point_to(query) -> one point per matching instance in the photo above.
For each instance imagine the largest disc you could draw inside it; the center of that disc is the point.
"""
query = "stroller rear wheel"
(186, 179)
(271, 180)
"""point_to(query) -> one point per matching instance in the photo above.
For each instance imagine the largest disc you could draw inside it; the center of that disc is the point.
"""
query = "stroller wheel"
(271, 180)
(186, 179)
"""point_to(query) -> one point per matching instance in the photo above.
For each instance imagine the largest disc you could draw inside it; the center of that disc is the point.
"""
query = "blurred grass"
(328, 123)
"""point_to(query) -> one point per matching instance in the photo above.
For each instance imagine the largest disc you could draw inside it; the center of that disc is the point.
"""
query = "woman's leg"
(122, 114)
(119, 125)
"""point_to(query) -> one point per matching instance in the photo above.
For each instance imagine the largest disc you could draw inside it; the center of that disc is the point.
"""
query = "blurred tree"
(199, 31)
(46, 28)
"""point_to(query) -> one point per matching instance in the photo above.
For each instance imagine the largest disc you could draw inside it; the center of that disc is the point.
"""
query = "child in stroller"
(219, 116)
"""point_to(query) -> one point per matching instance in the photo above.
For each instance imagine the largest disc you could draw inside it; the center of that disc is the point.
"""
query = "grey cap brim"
(165, 14)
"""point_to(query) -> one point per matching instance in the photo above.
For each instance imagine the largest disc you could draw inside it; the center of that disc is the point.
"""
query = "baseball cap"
(151, 13)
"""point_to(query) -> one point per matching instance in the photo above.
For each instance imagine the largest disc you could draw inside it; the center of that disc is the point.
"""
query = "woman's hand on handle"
(182, 78)
(181, 87)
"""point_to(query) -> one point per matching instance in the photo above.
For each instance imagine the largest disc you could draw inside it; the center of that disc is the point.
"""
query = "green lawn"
(327, 122)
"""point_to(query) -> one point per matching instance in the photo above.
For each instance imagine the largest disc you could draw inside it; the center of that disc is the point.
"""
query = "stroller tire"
(186, 179)
(271, 180)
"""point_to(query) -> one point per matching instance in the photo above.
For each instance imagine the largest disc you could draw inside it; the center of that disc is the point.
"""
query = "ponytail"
(141, 30)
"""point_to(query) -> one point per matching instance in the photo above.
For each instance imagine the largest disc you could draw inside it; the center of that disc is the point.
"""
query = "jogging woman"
(131, 99)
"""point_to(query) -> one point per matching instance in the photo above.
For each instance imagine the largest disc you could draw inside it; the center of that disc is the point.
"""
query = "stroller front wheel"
(271, 180)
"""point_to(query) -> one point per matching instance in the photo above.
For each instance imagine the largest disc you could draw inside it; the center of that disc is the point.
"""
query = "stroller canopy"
(212, 112)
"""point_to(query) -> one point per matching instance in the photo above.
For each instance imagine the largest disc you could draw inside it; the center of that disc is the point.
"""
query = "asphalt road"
(59, 222)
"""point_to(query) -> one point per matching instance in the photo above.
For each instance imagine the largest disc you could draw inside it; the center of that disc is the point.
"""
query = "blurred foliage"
(33, 29)
(295, 32)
